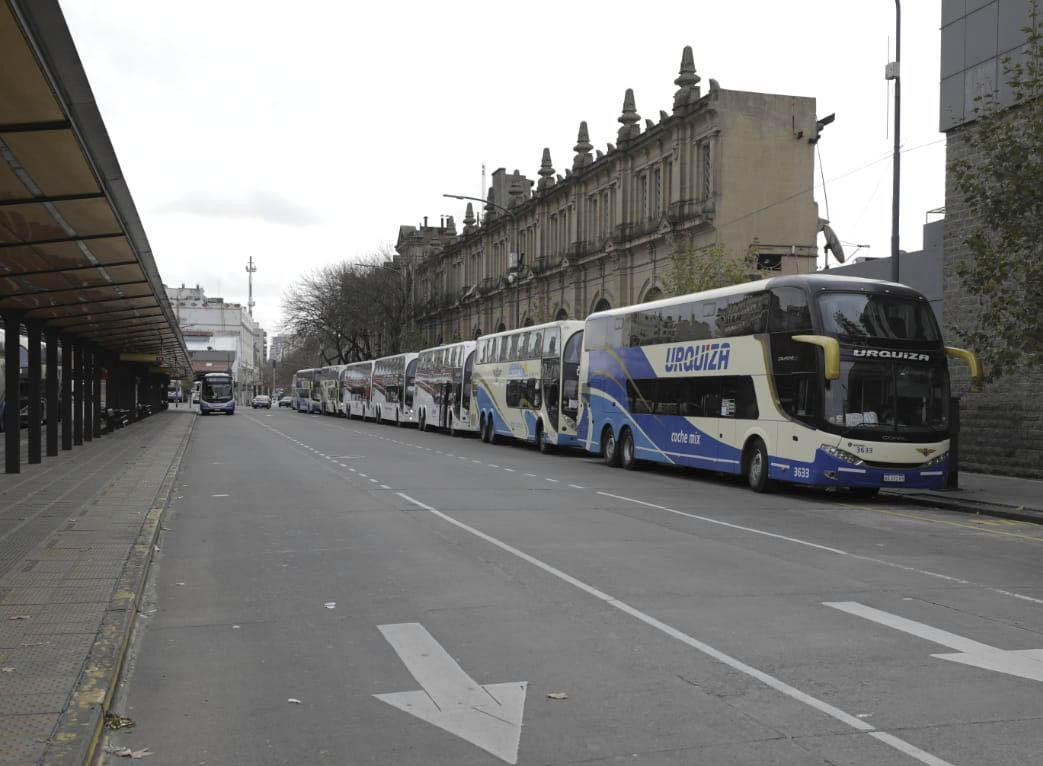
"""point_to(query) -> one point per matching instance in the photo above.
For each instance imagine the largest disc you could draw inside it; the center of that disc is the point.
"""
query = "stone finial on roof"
(687, 81)
(582, 148)
(649, 124)
(469, 219)
(629, 118)
(546, 172)
(610, 148)
(662, 116)
(598, 154)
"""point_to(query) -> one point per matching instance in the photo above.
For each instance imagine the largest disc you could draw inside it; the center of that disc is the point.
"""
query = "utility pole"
(893, 72)
(251, 269)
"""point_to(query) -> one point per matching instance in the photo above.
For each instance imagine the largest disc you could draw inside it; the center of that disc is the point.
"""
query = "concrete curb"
(966, 506)
(75, 739)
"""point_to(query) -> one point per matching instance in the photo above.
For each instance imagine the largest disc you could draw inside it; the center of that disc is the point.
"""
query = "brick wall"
(1002, 427)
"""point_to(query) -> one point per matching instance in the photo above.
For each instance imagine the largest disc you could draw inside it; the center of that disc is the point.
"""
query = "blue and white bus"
(217, 393)
(443, 388)
(816, 380)
(526, 384)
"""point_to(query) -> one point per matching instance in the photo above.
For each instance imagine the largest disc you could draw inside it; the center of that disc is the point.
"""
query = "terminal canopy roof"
(73, 252)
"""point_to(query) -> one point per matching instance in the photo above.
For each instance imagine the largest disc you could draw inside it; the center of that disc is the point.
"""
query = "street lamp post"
(514, 249)
(894, 73)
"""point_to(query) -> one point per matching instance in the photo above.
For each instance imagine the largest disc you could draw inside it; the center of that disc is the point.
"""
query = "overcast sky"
(306, 133)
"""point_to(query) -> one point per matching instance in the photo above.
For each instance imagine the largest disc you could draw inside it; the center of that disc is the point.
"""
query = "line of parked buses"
(813, 380)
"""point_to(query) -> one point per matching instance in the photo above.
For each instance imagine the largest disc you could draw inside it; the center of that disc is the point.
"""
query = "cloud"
(262, 205)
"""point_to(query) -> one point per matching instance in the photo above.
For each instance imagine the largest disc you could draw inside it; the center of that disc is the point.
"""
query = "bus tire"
(756, 466)
(491, 431)
(609, 447)
(628, 451)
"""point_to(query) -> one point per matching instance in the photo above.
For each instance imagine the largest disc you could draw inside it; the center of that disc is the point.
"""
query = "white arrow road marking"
(1024, 663)
(489, 716)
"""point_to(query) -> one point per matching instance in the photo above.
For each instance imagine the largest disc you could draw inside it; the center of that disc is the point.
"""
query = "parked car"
(286, 401)
(261, 400)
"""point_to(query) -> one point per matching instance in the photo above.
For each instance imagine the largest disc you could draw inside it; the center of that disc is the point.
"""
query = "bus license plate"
(894, 477)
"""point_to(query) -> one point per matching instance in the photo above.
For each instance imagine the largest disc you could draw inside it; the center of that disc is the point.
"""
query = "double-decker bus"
(216, 393)
(443, 388)
(327, 382)
(526, 384)
(304, 391)
(356, 384)
(392, 394)
(816, 380)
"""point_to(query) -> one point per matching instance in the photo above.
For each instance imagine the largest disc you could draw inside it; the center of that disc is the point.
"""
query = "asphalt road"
(682, 618)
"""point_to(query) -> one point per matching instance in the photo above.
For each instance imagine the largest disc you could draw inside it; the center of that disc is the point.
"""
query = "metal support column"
(12, 405)
(99, 360)
(132, 394)
(87, 378)
(52, 407)
(66, 392)
(77, 394)
(35, 421)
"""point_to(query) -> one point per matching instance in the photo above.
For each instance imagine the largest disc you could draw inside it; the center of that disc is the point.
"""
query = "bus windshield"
(876, 315)
(217, 389)
(889, 396)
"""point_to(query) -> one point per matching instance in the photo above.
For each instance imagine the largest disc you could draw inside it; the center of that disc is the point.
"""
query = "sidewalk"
(1008, 497)
(76, 538)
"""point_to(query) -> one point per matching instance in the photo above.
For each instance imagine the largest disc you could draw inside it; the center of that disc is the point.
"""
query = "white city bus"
(443, 388)
(526, 384)
(217, 393)
(327, 381)
(392, 394)
(816, 380)
(356, 383)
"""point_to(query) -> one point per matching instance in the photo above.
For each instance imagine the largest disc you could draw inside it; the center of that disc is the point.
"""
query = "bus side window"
(551, 341)
(788, 310)
(535, 344)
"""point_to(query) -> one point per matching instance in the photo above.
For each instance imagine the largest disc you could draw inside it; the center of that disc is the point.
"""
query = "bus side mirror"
(977, 371)
(830, 352)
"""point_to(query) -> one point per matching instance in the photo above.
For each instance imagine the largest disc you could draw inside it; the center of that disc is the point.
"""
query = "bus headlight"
(840, 454)
(935, 460)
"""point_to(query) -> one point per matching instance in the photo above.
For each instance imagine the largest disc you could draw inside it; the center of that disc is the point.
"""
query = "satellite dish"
(832, 241)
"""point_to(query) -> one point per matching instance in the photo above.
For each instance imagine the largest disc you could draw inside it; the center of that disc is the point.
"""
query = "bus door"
(463, 409)
(551, 384)
(410, 385)
(445, 404)
(570, 360)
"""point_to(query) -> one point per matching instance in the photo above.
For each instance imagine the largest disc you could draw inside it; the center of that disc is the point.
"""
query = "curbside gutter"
(978, 508)
(75, 739)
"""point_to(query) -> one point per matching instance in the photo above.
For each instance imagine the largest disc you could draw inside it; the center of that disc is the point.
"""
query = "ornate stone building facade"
(726, 168)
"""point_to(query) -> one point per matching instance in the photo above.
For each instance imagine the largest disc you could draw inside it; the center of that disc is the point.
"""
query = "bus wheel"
(609, 447)
(627, 451)
(757, 466)
(490, 431)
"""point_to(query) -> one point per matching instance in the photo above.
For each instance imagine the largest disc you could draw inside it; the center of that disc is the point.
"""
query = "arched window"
(561, 315)
(602, 305)
(501, 327)
(653, 294)
(528, 322)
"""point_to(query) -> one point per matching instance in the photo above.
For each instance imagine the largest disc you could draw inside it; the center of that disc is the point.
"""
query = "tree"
(693, 270)
(1001, 181)
(350, 311)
